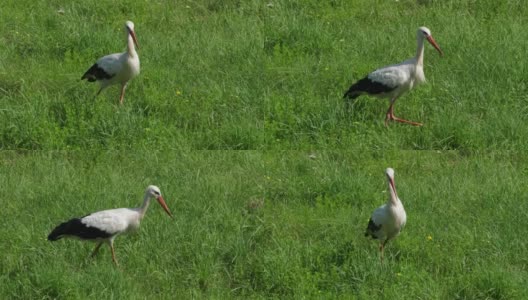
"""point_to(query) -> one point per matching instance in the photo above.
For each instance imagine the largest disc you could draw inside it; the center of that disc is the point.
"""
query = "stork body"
(104, 226)
(117, 68)
(393, 81)
(389, 219)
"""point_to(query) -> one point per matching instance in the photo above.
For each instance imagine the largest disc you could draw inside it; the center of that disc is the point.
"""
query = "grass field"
(262, 75)
(285, 218)
(252, 224)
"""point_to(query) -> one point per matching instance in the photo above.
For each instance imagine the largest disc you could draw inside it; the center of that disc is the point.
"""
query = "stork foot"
(391, 117)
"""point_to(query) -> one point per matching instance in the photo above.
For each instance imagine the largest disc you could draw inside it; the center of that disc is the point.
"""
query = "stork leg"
(96, 249)
(391, 117)
(381, 247)
(113, 254)
(99, 92)
(123, 87)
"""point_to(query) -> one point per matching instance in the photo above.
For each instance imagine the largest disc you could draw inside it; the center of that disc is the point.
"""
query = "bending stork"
(394, 80)
(104, 226)
(118, 67)
(389, 219)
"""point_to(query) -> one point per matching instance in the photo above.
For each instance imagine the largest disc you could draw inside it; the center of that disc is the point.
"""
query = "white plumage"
(394, 80)
(118, 68)
(400, 77)
(104, 226)
(114, 221)
(389, 219)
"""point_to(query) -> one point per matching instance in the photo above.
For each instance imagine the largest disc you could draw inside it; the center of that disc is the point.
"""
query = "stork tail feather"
(60, 231)
(351, 94)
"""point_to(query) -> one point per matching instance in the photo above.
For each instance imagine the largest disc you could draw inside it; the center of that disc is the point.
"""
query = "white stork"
(118, 67)
(389, 219)
(394, 80)
(104, 226)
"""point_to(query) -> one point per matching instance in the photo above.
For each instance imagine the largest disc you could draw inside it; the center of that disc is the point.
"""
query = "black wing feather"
(368, 86)
(75, 227)
(96, 73)
(372, 228)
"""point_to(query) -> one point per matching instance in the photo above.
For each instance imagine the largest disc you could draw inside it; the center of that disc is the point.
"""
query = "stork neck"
(144, 206)
(130, 46)
(420, 50)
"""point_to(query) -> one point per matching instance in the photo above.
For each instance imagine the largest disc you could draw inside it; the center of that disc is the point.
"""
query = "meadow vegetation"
(262, 75)
(259, 224)
(285, 217)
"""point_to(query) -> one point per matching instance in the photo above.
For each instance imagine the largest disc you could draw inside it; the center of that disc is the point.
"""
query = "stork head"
(129, 25)
(424, 32)
(154, 191)
(390, 173)
(129, 30)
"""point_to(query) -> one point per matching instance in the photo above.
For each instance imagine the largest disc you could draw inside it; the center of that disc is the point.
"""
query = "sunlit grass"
(251, 75)
(286, 218)
(267, 224)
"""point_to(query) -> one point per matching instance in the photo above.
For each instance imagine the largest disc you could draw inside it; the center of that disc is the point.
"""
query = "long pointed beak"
(391, 182)
(164, 205)
(133, 34)
(433, 42)
(393, 187)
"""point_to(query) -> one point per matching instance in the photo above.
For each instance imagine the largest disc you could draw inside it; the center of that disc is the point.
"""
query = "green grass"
(253, 75)
(285, 217)
(252, 224)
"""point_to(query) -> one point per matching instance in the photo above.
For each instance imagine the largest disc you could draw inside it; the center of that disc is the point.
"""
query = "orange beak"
(433, 42)
(392, 185)
(164, 205)
(133, 34)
